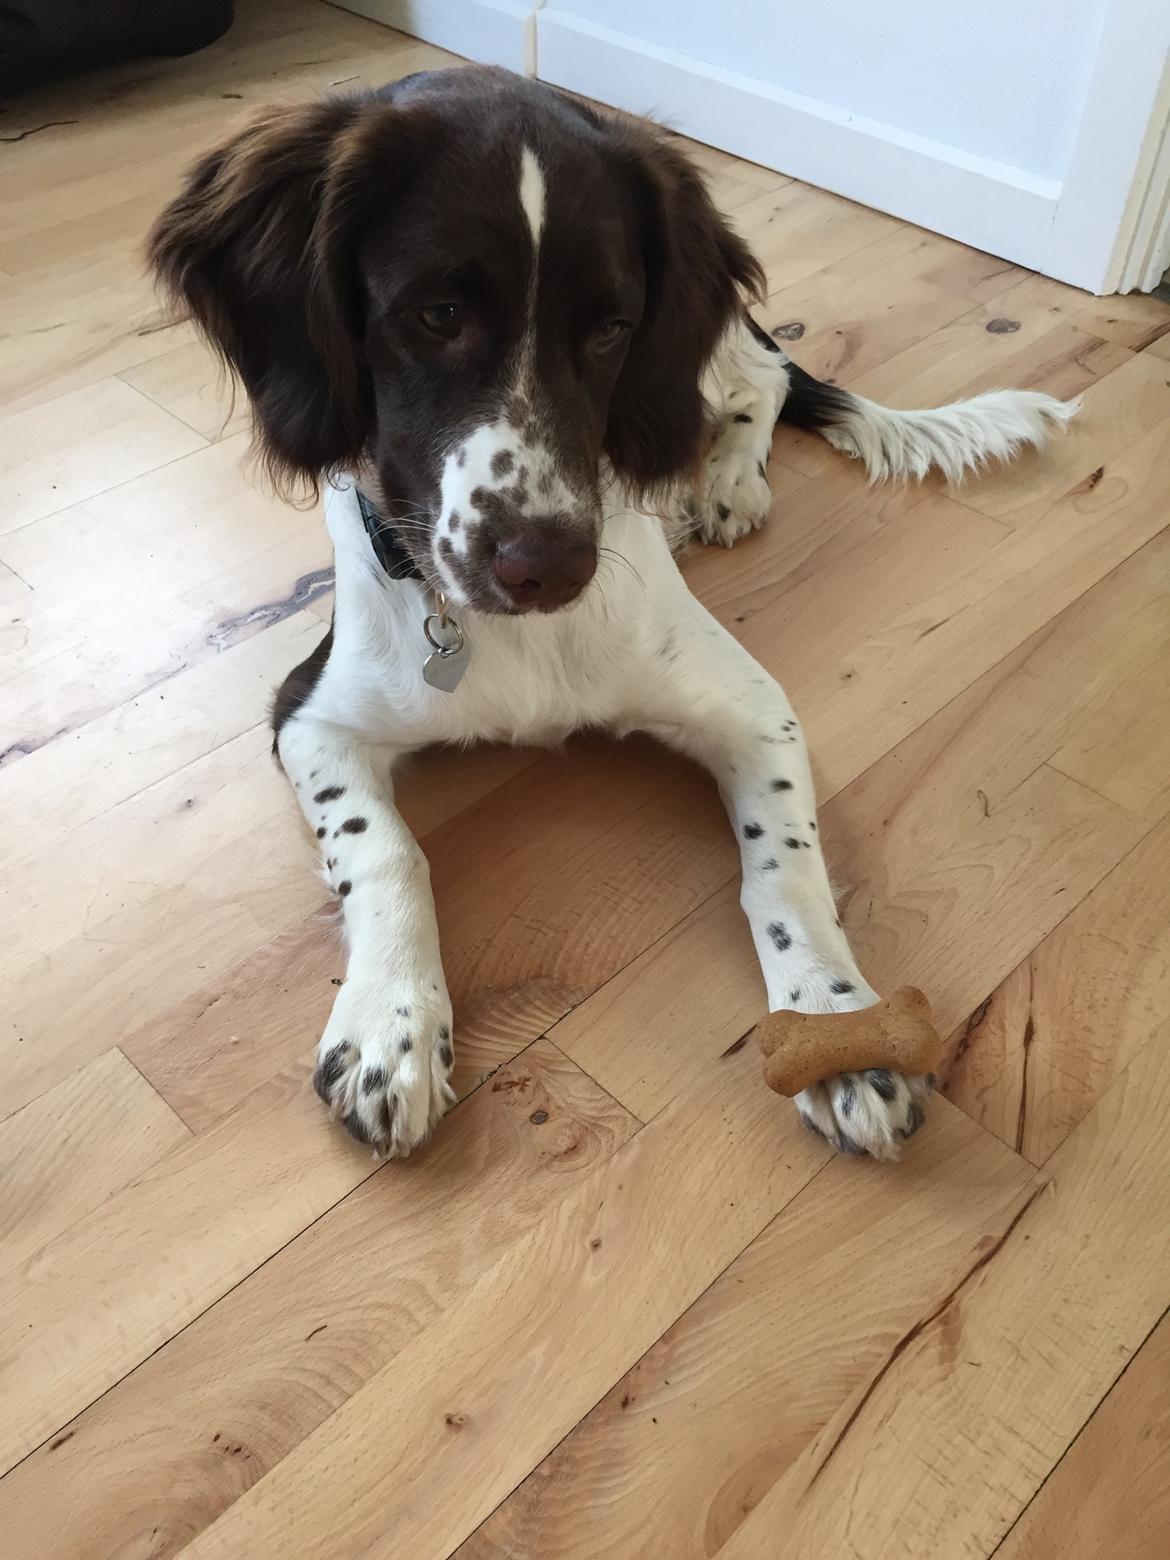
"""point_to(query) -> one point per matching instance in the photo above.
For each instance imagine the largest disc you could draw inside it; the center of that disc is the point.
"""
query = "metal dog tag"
(449, 657)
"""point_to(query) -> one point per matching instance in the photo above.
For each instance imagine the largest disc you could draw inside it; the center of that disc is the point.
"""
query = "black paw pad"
(330, 1070)
(357, 1128)
(881, 1081)
(917, 1117)
(844, 1144)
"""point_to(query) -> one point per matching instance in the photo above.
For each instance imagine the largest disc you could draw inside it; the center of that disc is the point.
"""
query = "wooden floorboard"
(65, 1154)
(521, 1356)
(1110, 1493)
(622, 1305)
(683, 1446)
(976, 1405)
(269, 1362)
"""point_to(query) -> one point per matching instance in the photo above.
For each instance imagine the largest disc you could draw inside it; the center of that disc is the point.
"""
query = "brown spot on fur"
(298, 685)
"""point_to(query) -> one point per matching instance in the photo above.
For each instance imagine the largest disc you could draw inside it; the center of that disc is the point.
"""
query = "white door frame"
(1111, 226)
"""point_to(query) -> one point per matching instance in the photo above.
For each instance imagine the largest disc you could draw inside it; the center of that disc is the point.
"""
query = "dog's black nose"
(544, 567)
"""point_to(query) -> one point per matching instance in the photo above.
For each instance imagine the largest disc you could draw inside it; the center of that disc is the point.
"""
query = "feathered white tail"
(956, 439)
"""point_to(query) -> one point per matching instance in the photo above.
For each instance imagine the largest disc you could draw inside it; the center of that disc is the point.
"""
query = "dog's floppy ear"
(259, 251)
(697, 273)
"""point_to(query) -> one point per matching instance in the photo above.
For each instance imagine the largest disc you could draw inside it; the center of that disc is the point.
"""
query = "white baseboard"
(495, 32)
(989, 205)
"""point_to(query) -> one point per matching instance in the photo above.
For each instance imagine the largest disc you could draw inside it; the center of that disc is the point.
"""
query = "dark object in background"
(43, 39)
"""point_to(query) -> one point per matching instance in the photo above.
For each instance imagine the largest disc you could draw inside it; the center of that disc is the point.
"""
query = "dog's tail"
(957, 439)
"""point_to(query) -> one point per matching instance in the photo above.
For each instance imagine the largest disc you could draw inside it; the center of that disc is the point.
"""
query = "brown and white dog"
(509, 335)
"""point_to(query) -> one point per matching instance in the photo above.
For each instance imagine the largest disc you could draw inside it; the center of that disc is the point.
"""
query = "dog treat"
(802, 1048)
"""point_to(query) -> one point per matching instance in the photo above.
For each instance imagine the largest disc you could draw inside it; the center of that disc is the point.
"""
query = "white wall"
(1038, 130)
(999, 79)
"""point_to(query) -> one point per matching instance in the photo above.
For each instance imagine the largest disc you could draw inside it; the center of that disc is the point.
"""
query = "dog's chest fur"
(530, 679)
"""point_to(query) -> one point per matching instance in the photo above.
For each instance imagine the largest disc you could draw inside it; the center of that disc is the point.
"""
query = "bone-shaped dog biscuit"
(802, 1048)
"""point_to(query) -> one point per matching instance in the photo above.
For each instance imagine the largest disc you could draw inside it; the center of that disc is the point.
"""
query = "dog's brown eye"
(610, 333)
(441, 319)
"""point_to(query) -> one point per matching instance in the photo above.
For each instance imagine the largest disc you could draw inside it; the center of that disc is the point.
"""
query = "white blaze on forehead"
(497, 457)
(532, 193)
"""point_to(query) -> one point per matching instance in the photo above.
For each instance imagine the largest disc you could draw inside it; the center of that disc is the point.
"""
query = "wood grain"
(59, 681)
(797, 230)
(215, 520)
(682, 1447)
(99, 1298)
(521, 952)
(1135, 320)
(1138, 400)
(65, 784)
(976, 1405)
(261, 1369)
(951, 602)
(967, 810)
(1110, 1493)
(513, 1364)
(115, 434)
(858, 311)
(1031, 1060)
(140, 930)
(190, 385)
(1022, 838)
(64, 1155)
(681, 1027)
(734, 180)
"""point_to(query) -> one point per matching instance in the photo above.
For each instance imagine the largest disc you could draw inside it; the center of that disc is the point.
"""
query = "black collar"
(386, 542)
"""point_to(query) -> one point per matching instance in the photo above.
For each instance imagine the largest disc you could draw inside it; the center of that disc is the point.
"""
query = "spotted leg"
(719, 706)
(385, 1057)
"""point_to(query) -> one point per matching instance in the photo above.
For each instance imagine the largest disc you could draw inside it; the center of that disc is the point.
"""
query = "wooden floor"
(622, 1306)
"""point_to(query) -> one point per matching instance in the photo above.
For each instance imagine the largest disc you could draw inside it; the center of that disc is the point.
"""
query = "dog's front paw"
(870, 1112)
(736, 497)
(384, 1064)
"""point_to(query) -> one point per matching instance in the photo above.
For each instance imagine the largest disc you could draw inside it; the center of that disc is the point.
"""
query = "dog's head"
(476, 287)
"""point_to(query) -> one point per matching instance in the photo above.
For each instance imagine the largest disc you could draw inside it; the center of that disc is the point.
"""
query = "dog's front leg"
(718, 705)
(743, 389)
(384, 1061)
